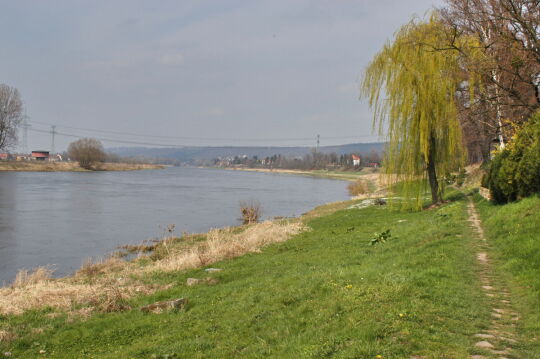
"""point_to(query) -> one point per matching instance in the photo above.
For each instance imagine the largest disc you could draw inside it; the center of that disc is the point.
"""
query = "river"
(62, 219)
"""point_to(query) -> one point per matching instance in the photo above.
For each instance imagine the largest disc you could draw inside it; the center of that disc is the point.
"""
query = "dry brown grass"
(92, 269)
(7, 336)
(110, 299)
(107, 285)
(25, 277)
(360, 186)
(66, 294)
(226, 243)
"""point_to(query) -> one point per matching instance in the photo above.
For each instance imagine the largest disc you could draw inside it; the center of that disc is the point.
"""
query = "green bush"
(515, 171)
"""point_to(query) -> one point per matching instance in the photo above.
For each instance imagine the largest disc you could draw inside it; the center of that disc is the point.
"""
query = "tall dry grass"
(358, 187)
(94, 268)
(25, 278)
(106, 286)
(225, 243)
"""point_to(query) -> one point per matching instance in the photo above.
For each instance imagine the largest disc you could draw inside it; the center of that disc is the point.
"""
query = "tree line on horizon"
(310, 161)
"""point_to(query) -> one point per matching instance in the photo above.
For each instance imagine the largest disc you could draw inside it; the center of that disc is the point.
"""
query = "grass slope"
(513, 232)
(325, 293)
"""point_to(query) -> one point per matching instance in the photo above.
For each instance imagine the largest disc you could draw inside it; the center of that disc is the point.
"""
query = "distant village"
(33, 156)
(311, 161)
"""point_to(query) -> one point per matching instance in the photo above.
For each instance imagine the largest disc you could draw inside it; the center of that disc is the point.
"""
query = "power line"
(109, 139)
(114, 140)
(199, 138)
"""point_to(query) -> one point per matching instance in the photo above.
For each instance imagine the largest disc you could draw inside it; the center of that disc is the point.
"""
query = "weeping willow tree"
(419, 72)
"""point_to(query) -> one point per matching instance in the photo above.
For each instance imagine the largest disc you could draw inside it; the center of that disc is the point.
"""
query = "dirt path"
(499, 338)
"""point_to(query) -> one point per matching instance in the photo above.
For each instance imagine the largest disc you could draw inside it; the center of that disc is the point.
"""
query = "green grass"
(325, 293)
(513, 232)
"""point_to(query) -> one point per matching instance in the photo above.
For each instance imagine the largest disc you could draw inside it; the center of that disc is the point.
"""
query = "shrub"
(86, 151)
(514, 171)
(251, 211)
(358, 187)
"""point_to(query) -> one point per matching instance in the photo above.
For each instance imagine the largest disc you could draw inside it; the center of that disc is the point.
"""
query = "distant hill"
(190, 154)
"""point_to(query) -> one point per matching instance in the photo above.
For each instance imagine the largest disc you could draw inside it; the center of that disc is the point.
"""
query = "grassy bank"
(513, 233)
(308, 288)
(326, 292)
(45, 166)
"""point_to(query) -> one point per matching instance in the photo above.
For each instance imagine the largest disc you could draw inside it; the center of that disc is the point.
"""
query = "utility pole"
(25, 126)
(53, 132)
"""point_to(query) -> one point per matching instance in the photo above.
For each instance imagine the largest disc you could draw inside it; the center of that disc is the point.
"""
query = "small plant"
(380, 237)
(358, 187)
(250, 211)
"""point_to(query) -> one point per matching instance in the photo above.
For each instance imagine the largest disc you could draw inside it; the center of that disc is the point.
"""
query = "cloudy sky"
(196, 72)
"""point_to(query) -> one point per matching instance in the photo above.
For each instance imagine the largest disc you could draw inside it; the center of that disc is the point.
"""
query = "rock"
(192, 281)
(159, 307)
(7, 354)
(484, 336)
(213, 270)
(484, 345)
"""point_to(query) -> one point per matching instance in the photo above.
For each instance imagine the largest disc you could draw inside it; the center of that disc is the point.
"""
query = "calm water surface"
(64, 218)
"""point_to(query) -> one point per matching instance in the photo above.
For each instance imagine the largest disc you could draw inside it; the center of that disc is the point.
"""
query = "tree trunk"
(432, 174)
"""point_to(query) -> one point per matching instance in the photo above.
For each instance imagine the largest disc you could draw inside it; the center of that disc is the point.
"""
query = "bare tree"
(509, 35)
(11, 115)
(86, 151)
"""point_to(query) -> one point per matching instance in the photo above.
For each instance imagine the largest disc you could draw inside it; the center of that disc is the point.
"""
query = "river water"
(64, 218)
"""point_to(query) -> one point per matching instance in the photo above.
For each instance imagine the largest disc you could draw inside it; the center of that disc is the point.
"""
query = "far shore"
(340, 175)
(46, 166)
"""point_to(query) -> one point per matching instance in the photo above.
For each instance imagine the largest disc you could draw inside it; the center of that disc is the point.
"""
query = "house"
(5, 156)
(374, 164)
(355, 160)
(40, 155)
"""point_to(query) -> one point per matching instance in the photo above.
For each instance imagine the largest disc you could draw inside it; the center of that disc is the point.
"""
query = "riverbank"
(45, 166)
(339, 175)
(322, 285)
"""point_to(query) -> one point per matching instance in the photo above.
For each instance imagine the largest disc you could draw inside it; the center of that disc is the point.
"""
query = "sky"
(196, 72)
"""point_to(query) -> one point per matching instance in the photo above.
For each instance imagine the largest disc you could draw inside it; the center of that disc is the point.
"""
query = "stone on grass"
(484, 345)
(212, 270)
(159, 307)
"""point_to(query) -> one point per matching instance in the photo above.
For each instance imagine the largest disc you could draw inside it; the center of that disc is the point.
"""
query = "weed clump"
(380, 237)
(358, 187)
(111, 299)
(250, 211)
